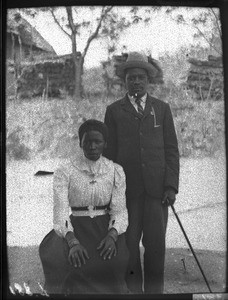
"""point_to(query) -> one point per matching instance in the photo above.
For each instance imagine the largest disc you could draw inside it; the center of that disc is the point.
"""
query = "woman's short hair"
(95, 125)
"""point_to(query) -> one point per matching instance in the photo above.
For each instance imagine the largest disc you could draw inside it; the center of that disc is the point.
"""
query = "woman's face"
(93, 144)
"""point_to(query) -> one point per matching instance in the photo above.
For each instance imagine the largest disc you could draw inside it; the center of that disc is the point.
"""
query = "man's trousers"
(147, 219)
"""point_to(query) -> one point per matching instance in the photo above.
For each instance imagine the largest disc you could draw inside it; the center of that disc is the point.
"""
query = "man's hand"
(169, 197)
(78, 255)
(107, 247)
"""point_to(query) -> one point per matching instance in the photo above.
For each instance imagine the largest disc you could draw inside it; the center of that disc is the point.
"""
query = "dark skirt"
(97, 276)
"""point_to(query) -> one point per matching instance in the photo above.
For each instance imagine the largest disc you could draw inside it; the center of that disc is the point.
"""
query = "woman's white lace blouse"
(83, 182)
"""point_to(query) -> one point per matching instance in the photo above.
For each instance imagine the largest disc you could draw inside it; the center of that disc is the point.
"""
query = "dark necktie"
(139, 106)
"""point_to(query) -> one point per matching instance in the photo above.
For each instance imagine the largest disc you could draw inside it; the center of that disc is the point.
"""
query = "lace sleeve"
(61, 220)
(118, 210)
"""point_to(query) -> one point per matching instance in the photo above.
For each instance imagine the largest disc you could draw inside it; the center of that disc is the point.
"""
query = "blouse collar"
(89, 166)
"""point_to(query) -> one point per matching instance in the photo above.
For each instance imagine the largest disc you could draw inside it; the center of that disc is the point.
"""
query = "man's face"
(93, 144)
(136, 81)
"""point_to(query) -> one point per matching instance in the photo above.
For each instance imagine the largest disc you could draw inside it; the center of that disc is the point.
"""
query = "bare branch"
(57, 22)
(183, 21)
(70, 19)
(104, 12)
(208, 41)
(73, 30)
(217, 22)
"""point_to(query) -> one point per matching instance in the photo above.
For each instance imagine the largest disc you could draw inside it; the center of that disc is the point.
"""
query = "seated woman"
(86, 250)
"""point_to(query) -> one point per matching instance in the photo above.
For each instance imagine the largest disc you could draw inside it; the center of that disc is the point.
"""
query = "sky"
(160, 35)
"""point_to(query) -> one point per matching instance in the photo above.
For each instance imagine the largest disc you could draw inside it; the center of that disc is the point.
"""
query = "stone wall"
(205, 78)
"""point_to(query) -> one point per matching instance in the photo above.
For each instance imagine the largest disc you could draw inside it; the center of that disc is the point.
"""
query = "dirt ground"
(24, 266)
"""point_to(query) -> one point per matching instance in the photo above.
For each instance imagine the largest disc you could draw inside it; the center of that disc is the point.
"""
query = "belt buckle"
(91, 211)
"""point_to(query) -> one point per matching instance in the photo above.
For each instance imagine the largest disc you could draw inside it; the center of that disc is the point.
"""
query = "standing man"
(143, 140)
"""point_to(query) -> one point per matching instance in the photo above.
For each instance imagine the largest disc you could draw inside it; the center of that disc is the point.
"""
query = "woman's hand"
(107, 247)
(78, 255)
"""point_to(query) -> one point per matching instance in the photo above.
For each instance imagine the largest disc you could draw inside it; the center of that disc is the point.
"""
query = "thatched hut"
(23, 41)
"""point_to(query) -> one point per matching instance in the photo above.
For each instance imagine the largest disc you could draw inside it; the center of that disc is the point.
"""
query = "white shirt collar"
(132, 98)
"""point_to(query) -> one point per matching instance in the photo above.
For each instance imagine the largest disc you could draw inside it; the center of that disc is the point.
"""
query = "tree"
(89, 23)
(205, 21)
(75, 29)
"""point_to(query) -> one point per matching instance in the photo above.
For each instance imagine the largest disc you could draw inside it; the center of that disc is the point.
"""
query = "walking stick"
(193, 252)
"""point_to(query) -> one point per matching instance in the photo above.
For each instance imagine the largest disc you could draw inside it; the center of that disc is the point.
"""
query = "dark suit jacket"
(145, 147)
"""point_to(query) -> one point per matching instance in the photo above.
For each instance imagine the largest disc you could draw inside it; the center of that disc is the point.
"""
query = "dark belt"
(81, 208)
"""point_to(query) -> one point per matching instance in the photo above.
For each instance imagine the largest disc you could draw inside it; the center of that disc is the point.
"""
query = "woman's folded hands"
(78, 253)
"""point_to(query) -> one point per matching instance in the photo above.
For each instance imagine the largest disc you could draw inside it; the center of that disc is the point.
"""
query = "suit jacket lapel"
(148, 108)
(127, 106)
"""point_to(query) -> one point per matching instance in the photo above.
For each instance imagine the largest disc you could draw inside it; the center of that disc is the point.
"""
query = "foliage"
(199, 125)
(103, 86)
(205, 21)
(175, 66)
(201, 131)
(97, 86)
(15, 146)
(49, 128)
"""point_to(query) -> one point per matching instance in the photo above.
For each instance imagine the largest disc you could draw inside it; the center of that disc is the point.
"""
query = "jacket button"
(143, 165)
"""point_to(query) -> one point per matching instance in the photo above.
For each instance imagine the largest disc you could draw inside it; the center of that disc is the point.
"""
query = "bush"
(199, 125)
(93, 82)
(15, 147)
(49, 128)
(200, 131)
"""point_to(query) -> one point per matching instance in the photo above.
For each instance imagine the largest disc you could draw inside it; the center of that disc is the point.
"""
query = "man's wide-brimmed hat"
(137, 60)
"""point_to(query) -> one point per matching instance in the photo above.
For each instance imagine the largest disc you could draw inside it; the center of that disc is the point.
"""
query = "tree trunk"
(78, 87)
(77, 79)
(76, 58)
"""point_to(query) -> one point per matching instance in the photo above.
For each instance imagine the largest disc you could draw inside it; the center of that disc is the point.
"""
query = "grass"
(48, 128)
